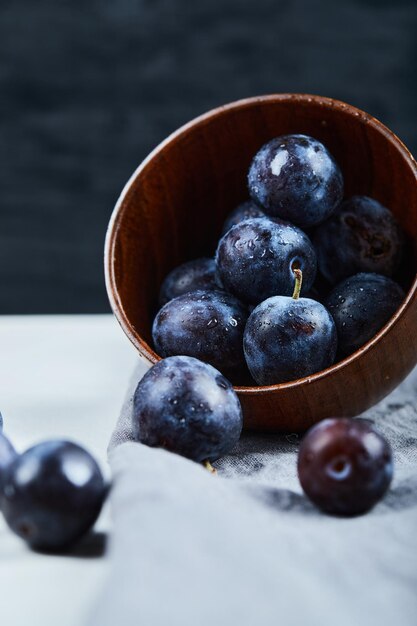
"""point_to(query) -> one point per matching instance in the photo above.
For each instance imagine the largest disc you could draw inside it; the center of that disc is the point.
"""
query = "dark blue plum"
(187, 407)
(197, 274)
(255, 259)
(345, 467)
(295, 177)
(208, 325)
(361, 236)
(7, 455)
(52, 494)
(361, 305)
(244, 211)
(288, 338)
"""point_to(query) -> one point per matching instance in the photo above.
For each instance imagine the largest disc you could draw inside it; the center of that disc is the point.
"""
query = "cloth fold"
(246, 547)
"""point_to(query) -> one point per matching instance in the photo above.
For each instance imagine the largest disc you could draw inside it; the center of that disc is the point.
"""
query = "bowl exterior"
(349, 387)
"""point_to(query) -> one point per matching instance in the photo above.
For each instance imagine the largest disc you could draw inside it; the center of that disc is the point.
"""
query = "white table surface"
(60, 376)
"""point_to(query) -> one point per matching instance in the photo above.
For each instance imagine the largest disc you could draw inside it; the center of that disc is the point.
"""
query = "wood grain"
(173, 207)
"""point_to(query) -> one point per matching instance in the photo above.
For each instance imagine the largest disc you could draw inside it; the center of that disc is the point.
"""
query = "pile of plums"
(256, 311)
(255, 314)
(51, 494)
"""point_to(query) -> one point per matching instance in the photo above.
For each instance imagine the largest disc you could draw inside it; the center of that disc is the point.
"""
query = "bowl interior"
(173, 208)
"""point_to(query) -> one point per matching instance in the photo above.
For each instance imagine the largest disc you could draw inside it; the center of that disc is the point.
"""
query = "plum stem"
(209, 467)
(298, 282)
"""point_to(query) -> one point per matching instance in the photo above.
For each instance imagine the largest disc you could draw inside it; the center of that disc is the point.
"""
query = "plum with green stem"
(287, 338)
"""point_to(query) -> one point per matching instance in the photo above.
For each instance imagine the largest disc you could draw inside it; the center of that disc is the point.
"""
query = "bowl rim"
(114, 224)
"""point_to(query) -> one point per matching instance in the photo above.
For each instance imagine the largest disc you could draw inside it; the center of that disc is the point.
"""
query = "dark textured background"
(89, 87)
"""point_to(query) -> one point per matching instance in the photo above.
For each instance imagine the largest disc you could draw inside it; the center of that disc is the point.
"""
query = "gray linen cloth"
(245, 547)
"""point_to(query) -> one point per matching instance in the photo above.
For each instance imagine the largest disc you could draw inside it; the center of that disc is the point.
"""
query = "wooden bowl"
(173, 207)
